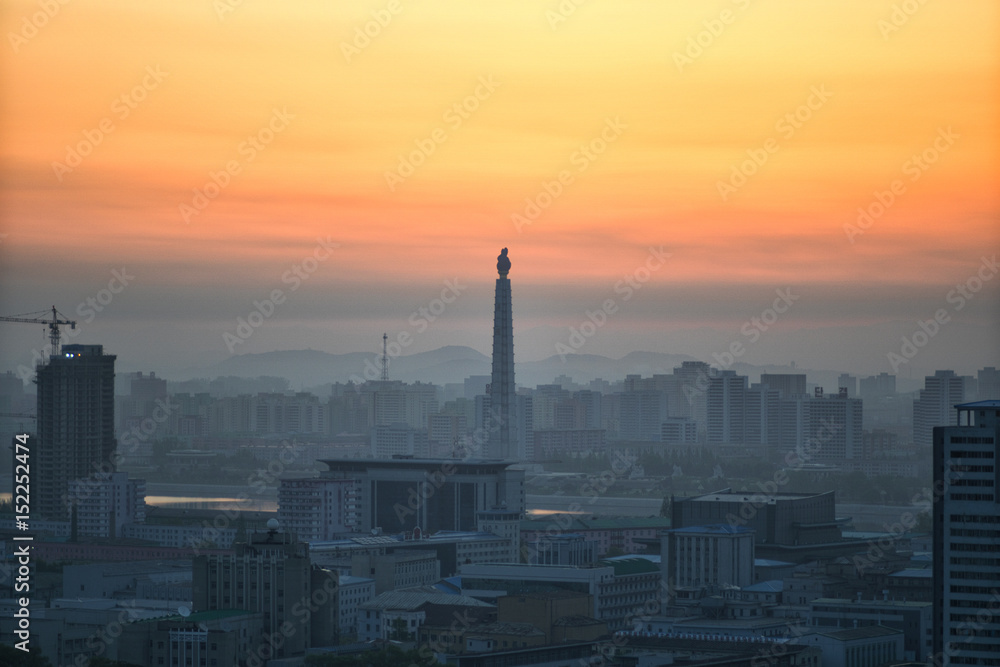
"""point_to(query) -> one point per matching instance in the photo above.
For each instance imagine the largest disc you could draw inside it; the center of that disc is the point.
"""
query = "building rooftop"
(136, 568)
(578, 524)
(408, 601)
(975, 405)
(577, 621)
(498, 628)
(871, 603)
(717, 528)
(551, 595)
(627, 566)
(772, 586)
(727, 495)
(431, 465)
(914, 573)
(867, 632)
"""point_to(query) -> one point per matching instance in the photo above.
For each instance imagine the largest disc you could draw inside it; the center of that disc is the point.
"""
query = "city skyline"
(688, 164)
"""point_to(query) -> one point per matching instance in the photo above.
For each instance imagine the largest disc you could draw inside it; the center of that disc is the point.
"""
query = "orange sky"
(348, 115)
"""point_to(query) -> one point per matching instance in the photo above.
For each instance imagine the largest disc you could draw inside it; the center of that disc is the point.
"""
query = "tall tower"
(502, 426)
(76, 424)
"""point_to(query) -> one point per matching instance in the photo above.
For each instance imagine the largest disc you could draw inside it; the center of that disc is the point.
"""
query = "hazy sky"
(358, 155)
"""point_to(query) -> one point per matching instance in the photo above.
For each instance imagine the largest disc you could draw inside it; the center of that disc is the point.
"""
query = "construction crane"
(53, 324)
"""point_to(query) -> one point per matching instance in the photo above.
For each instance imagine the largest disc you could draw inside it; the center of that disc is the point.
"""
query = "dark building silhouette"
(76, 425)
(504, 442)
(272, 574)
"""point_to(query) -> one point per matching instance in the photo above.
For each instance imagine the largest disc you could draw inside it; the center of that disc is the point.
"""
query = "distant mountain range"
(454, 363)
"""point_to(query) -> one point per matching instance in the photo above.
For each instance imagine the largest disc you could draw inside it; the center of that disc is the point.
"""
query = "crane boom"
(53, 324)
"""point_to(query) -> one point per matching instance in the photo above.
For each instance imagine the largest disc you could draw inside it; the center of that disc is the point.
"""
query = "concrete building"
(790, 385)
(317, 509)
(848, 382)
(789, 519)
(106, 503)
(272, 574)
(967, 536)
(643, 409)
(834, 428)
(432, 494)
(398, 615)
(351, 594)
(223, 637)
(935, 406)
(76, 425)
(727, 408)
(399, 439)
(397, 570)
(147, 580)
(882, 385)
(564, 443)
(679, 431)
(912, 618)
(281, 414)
(857, 647)
(618, 587)
(630, 535)
(715, 556)
(989, 384)
(560, 549)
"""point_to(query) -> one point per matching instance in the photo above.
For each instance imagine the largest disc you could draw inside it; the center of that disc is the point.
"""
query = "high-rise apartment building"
(76, 425)
(935, 406)
(967, 536)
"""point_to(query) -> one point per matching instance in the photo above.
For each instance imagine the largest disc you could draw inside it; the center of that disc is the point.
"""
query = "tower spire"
(503, 441)
(385, 357)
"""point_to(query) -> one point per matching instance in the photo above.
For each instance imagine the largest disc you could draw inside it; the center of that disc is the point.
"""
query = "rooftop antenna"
(385, 357)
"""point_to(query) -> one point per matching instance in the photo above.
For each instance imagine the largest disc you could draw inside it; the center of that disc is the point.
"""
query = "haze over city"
(164, 169)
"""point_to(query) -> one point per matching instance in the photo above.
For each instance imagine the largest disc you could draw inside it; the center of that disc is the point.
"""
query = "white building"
(106, 502)
(935, 407)
(713, 556)
(317, 509)
(352, 593)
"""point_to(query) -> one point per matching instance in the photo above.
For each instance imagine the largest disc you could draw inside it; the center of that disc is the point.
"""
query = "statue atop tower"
(503, 263)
